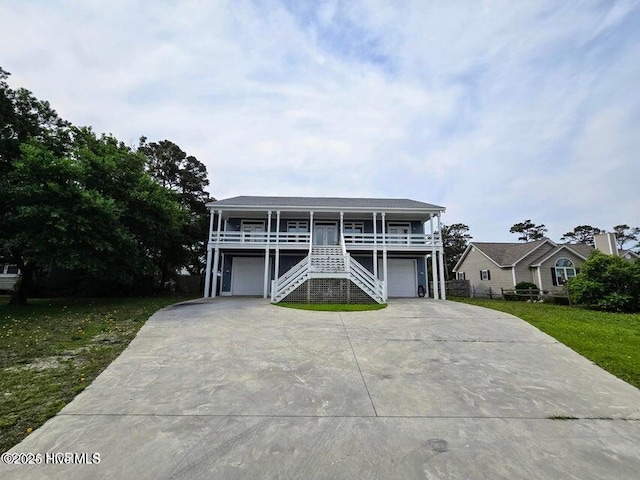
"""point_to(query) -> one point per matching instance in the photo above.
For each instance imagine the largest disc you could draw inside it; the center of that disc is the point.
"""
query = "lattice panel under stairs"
(328, 290)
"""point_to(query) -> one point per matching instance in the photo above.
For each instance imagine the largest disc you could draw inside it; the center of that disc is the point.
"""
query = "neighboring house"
(498, 266)
(323, 249)
(9, 276)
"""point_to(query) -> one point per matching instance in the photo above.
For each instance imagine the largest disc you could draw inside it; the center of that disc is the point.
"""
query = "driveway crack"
(358, 365)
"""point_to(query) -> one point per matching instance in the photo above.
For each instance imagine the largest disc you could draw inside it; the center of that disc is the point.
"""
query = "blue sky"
(500, 111)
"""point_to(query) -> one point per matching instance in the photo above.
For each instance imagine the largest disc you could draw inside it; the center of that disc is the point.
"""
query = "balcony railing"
(260, 238)
(403, 240)
(352, 241)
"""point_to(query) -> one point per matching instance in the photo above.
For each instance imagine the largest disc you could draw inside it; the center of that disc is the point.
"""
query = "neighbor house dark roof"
(506, 254)
(325, 202)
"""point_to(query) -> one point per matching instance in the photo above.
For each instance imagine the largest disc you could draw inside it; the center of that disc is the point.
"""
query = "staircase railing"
(366, 281)
(294, 273)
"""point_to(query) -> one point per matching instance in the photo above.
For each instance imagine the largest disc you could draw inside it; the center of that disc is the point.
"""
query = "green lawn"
(50, 350)
(610, 340)
(334, 307)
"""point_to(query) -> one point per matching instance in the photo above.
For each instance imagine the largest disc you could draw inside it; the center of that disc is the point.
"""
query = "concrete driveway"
(230, 388)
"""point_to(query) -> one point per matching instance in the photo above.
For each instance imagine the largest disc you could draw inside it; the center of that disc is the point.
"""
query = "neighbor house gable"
(559, 249)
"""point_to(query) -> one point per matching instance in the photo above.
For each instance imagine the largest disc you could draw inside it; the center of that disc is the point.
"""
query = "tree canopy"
(90, 204)
(625, 233)
(528, 231)
(455, 239)
(582, 234)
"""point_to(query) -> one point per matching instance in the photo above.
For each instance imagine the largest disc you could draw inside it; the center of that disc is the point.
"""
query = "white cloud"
(499, 111)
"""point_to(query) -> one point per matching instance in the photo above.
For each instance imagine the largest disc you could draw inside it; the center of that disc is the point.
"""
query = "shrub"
(527, 286)
(526, 291)
(608, 283)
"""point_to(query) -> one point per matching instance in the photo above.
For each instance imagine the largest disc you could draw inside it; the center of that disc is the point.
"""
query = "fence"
(458, 288)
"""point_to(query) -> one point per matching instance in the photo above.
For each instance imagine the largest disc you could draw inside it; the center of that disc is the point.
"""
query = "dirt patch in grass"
(51, 350)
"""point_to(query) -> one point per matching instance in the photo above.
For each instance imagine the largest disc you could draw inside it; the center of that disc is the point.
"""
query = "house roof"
(631, 253)
(324, 202)
(507, 254)
(581, 250)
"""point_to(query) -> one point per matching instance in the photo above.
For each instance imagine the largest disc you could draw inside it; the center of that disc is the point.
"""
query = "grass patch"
(610, 340)
(51, 349)
(334, 307)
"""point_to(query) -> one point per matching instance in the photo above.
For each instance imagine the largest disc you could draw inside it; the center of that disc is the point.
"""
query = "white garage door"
(402, 278)
(247, 276)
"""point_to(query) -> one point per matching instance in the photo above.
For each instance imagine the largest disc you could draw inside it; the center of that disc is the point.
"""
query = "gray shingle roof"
(325, 202)
(581, 249)
(507, 253)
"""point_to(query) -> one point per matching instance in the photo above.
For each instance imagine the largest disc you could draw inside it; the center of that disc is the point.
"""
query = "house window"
(353, 231)
(253, 231)
(398, 232)
(294, 226)
(485, 275)
(461, 276)
(297, 226)
(564, 270)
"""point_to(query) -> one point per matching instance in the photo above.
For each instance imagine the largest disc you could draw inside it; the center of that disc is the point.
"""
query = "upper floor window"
(485, 275)
(564, 270)
(353, 227)
(295, 226)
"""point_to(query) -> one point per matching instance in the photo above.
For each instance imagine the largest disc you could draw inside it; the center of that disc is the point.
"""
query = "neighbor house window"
(461, 276)
(564, 270)
(485, 275)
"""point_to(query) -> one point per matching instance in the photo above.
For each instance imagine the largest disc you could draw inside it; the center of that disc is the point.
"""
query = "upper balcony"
(301, 240)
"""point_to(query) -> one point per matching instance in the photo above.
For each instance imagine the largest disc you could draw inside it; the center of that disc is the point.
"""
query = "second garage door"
(247, 276)
(402, 278)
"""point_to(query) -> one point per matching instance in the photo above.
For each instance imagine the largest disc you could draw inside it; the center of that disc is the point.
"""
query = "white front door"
(325, 233)
(247, 276)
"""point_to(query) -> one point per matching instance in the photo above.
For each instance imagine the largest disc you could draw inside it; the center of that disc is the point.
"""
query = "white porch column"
(310, 230)
(277, 264)
(375, 245)
(341, 226)
(266, 258)
(216, 259)
(207, 274)
(426, 277)
(443, 285)
(434, 262)
(434, 274)
(384, 257)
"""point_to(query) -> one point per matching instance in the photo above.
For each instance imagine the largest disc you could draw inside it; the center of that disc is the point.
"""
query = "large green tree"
(23, 119)
(186, 177)
(455, 239)
(94, 211)
(76, 201)
(528, 231)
